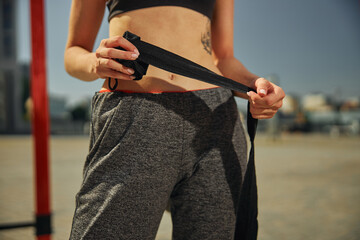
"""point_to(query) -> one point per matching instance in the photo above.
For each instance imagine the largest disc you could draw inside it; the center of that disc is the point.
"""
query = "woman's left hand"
(267, 101)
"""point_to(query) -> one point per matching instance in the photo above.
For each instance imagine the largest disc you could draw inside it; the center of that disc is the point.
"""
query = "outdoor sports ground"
(308, 186)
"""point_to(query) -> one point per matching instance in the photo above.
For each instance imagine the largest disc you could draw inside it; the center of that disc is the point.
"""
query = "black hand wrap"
(137, 65)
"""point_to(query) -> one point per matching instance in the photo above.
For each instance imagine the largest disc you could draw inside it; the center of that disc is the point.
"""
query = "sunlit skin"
(180, 30)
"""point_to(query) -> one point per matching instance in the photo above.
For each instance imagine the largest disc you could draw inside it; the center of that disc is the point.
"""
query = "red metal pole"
(40, 120)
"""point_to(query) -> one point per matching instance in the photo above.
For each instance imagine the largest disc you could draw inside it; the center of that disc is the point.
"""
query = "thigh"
(128, 175)
(204, 203)
(203, 206)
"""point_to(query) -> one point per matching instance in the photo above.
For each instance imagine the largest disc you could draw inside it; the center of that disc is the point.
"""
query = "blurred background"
(308, 156)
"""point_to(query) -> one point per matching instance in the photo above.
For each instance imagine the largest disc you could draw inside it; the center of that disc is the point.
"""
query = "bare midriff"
(180, 30)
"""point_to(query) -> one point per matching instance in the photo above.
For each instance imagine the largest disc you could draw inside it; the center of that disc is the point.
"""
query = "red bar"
(40, 116)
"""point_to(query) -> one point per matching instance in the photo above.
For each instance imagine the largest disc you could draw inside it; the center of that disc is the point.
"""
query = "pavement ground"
(308, 186)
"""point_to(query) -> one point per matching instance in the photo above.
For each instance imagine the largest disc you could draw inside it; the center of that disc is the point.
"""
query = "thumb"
(262, 86)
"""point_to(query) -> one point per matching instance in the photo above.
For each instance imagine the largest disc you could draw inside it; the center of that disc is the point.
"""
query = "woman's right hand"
(106, 66)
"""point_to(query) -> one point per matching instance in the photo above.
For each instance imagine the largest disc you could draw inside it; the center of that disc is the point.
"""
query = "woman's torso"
(177, 29)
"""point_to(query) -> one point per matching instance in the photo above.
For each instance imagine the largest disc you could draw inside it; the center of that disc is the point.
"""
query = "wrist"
(92, 66)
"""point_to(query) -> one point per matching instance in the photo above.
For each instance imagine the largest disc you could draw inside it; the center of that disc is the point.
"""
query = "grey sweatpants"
(147, 149)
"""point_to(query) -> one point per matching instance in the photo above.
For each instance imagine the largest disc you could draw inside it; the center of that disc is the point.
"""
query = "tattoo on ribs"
(206, 38)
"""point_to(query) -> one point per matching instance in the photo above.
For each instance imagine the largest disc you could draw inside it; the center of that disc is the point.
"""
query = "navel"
(171, 76)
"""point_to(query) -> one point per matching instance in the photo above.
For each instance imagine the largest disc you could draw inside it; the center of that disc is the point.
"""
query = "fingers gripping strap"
(246, 223)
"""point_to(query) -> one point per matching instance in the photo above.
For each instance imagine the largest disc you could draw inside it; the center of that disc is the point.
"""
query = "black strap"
(246, 223)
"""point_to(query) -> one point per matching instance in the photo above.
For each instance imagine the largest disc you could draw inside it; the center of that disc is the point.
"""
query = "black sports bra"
(116, 7)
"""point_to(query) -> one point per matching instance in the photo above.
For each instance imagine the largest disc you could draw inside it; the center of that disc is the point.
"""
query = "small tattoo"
(206, 38)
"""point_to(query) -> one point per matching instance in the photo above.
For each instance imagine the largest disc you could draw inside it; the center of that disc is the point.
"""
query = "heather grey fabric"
(147, 149)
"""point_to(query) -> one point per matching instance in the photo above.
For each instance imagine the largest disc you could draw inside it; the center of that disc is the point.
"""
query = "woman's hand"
(267, 101)
(106, 66)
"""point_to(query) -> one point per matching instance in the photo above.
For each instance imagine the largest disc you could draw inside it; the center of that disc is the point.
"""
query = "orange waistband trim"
(130, 91)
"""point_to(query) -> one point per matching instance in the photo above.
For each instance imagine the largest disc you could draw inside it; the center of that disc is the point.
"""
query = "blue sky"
(311, 45)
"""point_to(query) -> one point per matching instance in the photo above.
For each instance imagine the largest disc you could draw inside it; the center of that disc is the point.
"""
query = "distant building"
(290, 105)
(14, 78)
(69, 120)
(316, 102)
(58, 110)
(350, 104)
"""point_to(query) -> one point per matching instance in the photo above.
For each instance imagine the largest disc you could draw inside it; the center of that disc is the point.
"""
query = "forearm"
(232, 68)
(80, 63)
